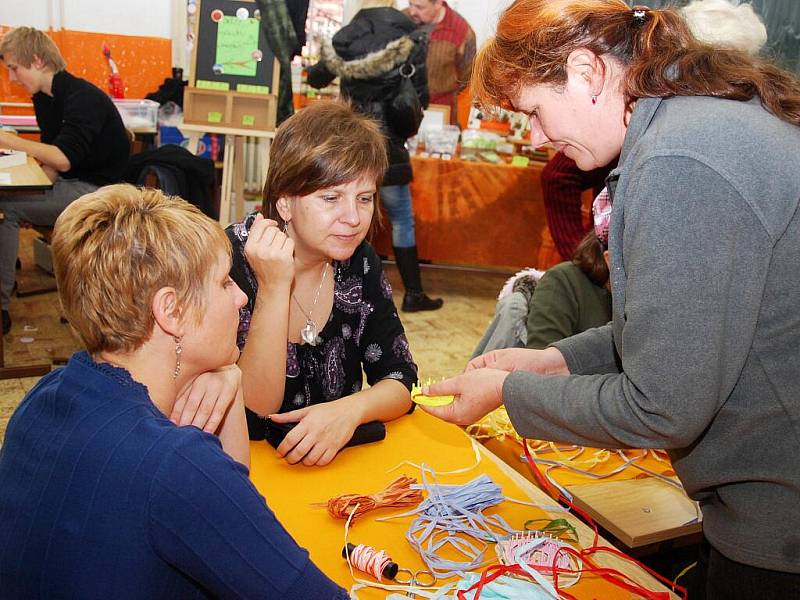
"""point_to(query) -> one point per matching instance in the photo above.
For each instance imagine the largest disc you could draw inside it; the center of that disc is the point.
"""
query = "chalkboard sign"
(230, 49)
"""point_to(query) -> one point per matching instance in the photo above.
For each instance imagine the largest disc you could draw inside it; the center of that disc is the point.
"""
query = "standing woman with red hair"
(702, 356)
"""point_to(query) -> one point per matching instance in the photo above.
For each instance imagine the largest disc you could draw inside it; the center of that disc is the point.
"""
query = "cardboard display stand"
(235, 74)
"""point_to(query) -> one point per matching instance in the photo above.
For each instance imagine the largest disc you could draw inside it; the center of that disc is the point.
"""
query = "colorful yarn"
(451, 516)
(582, 461)
(371, 561)
(398, 493)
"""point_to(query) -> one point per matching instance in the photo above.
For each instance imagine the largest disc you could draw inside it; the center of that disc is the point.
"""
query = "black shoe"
(417, 301)
(6, 322)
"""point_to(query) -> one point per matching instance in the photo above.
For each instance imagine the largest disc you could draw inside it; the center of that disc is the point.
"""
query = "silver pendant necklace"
(309, 333)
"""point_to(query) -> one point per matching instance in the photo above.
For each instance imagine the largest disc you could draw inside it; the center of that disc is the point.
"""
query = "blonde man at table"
(83, 142)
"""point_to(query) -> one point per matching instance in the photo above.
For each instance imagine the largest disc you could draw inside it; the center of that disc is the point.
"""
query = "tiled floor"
(441, 341)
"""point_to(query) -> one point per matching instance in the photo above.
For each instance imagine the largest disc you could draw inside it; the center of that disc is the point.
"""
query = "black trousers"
(730, 580)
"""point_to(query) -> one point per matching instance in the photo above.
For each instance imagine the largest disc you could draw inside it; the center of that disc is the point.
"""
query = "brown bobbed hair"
(588, 257)
(660, 55)
(322, 145)
(26, 43)
(114, 248)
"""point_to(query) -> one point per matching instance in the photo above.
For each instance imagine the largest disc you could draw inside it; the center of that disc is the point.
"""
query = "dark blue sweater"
(101, 496)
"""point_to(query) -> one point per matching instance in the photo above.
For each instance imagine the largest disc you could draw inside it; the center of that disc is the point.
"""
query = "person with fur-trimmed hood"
(367, 56)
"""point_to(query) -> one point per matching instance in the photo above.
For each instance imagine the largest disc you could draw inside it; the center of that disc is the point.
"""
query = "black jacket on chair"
(179, 172)
(367, 55)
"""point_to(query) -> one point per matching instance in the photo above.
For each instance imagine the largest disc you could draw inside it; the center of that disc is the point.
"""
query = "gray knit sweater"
(703, 355)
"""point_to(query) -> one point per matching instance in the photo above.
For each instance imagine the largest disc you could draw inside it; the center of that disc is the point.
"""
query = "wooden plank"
(209, 128)
(639, 511)
(27, 177)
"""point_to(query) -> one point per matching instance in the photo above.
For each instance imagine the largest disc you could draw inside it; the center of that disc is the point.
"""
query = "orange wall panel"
(143, 62)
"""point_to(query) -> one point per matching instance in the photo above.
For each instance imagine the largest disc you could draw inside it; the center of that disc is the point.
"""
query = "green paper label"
(237, 40)
(204, 84)
(248, 120)
(520, 161)
(248, 88)
(215, 117)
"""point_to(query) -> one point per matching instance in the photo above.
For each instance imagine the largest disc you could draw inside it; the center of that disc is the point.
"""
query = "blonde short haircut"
(26, 43)
(115, 248)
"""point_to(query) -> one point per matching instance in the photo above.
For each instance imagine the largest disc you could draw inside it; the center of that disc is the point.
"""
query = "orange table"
(478, 214)
(292, 490)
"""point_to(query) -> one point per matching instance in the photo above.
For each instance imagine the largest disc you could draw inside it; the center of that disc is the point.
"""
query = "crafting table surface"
(292, 490)
(27, 177)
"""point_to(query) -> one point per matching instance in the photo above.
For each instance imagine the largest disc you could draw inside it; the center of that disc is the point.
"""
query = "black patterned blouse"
(363, 331)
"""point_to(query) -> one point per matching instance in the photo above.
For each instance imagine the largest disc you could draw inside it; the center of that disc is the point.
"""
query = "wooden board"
(27, 177)
(639, 511)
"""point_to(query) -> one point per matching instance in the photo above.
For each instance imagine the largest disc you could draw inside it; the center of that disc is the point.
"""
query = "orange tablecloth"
(292, 490)
(481, 214)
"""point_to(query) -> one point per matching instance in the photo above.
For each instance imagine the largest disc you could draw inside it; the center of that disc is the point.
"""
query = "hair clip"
(640, 14)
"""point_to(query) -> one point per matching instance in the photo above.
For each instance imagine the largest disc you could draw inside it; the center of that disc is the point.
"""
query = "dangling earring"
(286, 227)
(594, 98)
(178, 350)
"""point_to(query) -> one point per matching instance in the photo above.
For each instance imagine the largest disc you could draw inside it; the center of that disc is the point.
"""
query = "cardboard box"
(235, 110)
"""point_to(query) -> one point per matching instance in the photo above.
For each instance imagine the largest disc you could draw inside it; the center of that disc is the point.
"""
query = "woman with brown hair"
(372, 56)
(701, 356)
(319, 306)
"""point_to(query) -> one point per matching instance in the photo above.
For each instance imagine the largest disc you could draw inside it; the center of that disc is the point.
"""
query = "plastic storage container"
(138, 115)
(442, 141)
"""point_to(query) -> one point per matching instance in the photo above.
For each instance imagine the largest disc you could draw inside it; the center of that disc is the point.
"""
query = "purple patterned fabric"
(386, 287)
(362, 334)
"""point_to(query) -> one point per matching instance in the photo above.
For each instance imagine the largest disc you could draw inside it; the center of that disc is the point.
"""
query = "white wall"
(34, 13)
(152, 18)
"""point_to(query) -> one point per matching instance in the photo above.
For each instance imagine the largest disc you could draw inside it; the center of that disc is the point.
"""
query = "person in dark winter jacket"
(368, 55)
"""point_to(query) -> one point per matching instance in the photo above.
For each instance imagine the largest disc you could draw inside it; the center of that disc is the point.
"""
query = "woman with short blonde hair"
(127, 503)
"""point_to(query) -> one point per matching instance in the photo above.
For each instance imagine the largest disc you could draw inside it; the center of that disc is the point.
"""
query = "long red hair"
(661, 56)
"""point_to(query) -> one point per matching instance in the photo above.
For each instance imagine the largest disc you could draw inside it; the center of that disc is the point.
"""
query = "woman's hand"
(477, 392)
(545, 362)
(321, 431)
(270, 253)
(205, 400)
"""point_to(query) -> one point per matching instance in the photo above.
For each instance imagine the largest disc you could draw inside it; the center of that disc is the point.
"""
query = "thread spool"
(389, 569)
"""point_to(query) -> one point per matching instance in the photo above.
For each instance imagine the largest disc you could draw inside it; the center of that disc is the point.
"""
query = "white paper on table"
(5, 178)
